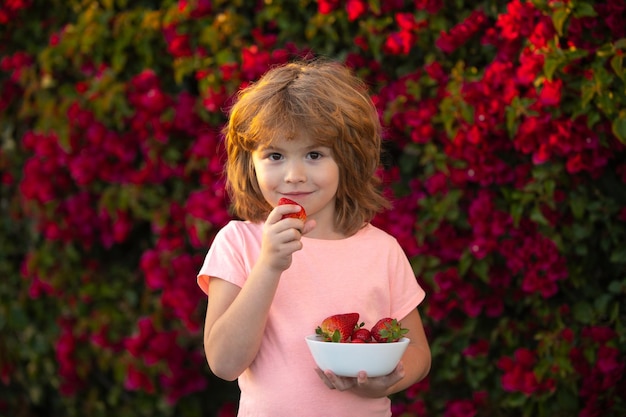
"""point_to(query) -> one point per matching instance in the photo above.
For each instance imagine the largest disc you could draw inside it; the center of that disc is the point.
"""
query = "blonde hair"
(326, 100)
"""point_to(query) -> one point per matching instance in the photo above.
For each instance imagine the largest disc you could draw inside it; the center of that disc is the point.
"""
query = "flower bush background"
(505, 126)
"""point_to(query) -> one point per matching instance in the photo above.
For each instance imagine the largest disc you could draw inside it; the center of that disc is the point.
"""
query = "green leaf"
(481, 269)
(537, 216)
(465, 262)
(582, 9)
(577, 205)
(617, 63)
(602, 302)
(583, 312)
(551, 64)
(619, 127)
(619, 255)
(617, 287)
(558, 19)
(620, 44)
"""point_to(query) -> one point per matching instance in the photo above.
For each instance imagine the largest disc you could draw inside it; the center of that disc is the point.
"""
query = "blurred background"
(505, 156)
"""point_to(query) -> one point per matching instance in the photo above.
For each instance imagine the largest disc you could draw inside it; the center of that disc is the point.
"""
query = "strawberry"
(338, 328)
(361, 335)
(388, 330)
(299, 215)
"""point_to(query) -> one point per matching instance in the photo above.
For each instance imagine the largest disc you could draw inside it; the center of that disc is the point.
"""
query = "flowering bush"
(505, 133)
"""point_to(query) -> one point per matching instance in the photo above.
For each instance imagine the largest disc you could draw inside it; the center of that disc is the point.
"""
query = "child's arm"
(413, 367)
(416, 359)
(236, 317)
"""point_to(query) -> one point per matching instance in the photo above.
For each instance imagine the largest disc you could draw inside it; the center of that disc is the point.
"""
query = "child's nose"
(296, 172)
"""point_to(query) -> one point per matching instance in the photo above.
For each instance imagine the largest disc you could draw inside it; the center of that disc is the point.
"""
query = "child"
(309, 132)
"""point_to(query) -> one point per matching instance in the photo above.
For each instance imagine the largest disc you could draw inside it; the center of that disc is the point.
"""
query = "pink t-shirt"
(367, 273)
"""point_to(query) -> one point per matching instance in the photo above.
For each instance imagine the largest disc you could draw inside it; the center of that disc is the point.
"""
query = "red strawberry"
(338, 328)
(388, 330)
(299, 215)
(361, 335)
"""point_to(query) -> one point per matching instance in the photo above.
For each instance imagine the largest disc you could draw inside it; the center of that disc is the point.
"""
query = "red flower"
(327, 6)
(356, 9)
(462, 32)
(178, 45)
(254, 62)
(228, 410)
(519, 374)
(399, 43)
(531, 65)
(551, 93)
(431, 6)
(518, 21)
(200, 9)
(542, 33)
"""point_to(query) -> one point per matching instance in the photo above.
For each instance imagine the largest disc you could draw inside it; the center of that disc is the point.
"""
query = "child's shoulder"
(240, 228)
(375, 233)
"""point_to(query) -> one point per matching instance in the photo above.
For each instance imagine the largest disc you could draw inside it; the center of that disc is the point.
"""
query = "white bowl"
(348, 359)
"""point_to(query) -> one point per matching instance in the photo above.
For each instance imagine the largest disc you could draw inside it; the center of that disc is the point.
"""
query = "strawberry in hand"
(299, 215)
(388, 330)
(338, 328)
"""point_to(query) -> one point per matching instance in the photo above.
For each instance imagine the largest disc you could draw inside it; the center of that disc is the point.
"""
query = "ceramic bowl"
(347, 359)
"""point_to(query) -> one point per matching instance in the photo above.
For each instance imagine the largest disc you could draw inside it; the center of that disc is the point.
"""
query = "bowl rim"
(314, 338)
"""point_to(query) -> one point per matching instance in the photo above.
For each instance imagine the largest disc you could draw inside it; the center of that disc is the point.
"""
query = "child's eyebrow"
(266, 148)
(274, 148)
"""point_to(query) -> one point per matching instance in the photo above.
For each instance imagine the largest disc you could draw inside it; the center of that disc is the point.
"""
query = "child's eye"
(315, 155)
(274, 156)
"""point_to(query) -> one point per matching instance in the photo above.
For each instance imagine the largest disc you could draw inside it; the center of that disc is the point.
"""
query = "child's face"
(301, 170)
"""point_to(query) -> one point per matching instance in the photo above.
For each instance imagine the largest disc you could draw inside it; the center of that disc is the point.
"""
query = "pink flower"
(137, 344)
(138, 380)
(436, 72)
(599, 334)
(65, 351)
(184, 376)
(144, 81)
(460, 408)
(609, 360)
(480, 348)
(437, 183)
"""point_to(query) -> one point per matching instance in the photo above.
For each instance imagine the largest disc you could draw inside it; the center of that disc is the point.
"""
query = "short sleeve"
(228, 257)
(406, 293)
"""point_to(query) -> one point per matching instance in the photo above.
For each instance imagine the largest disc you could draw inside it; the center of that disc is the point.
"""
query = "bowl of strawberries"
(345, 347)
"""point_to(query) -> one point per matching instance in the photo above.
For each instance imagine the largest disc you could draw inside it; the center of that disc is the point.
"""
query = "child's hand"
(362, 385)
(281, 237)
